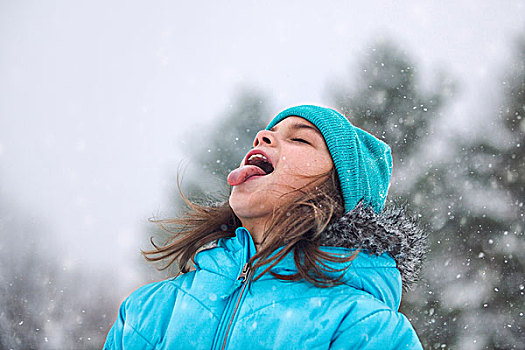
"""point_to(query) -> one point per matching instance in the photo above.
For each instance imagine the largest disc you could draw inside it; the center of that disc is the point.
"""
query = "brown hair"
(296, 226)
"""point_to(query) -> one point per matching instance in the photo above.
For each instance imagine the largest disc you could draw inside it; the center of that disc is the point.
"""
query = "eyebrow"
(299, 126)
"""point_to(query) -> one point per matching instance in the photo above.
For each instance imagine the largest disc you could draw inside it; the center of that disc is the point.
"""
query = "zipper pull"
(243, 276)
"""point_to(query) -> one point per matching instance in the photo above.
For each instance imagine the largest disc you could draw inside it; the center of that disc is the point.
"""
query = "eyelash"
(301, 140)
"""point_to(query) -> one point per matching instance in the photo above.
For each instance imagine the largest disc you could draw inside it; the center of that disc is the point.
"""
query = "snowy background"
(99, 101)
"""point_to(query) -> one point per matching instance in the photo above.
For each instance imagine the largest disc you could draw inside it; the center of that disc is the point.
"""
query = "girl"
(302, 256)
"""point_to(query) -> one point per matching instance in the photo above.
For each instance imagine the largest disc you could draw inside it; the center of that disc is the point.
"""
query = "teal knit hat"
(363, 162)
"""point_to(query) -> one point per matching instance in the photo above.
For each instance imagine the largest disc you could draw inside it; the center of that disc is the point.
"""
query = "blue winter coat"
(218, 306)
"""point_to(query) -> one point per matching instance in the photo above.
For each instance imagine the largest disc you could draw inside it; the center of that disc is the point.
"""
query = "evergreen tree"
(388, 102)
(226, 143)
(477, 272)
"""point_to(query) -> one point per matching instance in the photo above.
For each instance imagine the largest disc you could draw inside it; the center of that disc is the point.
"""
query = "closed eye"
(301, 140)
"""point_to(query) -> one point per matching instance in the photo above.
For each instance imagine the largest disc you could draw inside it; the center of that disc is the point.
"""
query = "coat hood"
(391, 231)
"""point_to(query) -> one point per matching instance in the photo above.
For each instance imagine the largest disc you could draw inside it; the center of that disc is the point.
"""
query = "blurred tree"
(220, 150)
(387, 101)
(480, 302)
(472, 292)
(224, 145)
(43, 304)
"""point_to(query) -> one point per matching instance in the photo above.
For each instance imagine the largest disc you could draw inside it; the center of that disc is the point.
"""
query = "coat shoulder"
(136, 322)
(360, 303)
(369, 323)
(378, 329)
(151, 305)
(151, 293)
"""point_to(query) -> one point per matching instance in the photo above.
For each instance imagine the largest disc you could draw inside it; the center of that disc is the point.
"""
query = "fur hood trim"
(391, 231)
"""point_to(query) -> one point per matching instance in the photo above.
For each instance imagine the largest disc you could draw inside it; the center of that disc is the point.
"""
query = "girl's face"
(297, 152)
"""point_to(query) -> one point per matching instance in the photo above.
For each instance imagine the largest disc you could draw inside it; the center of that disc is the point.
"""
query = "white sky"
(96, 97)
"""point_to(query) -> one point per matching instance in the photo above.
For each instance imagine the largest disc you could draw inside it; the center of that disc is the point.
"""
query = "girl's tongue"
(240, 175)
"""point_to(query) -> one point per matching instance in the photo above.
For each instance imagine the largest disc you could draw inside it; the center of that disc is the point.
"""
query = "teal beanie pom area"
(363, 162)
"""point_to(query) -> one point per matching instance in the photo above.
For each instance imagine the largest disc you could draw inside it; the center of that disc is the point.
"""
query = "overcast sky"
(96, 97)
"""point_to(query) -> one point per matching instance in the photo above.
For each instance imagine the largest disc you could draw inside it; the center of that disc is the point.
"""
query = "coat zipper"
(243, 279)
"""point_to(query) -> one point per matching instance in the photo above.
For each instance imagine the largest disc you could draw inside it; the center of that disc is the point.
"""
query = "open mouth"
(260, 160)
(257, 164)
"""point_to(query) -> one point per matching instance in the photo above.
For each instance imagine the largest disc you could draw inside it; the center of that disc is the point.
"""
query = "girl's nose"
(264, 137)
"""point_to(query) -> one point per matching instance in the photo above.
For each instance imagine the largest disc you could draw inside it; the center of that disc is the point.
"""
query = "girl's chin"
(251, 207)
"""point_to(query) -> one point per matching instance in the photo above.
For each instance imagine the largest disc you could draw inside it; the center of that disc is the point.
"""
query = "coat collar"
(391, 250)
